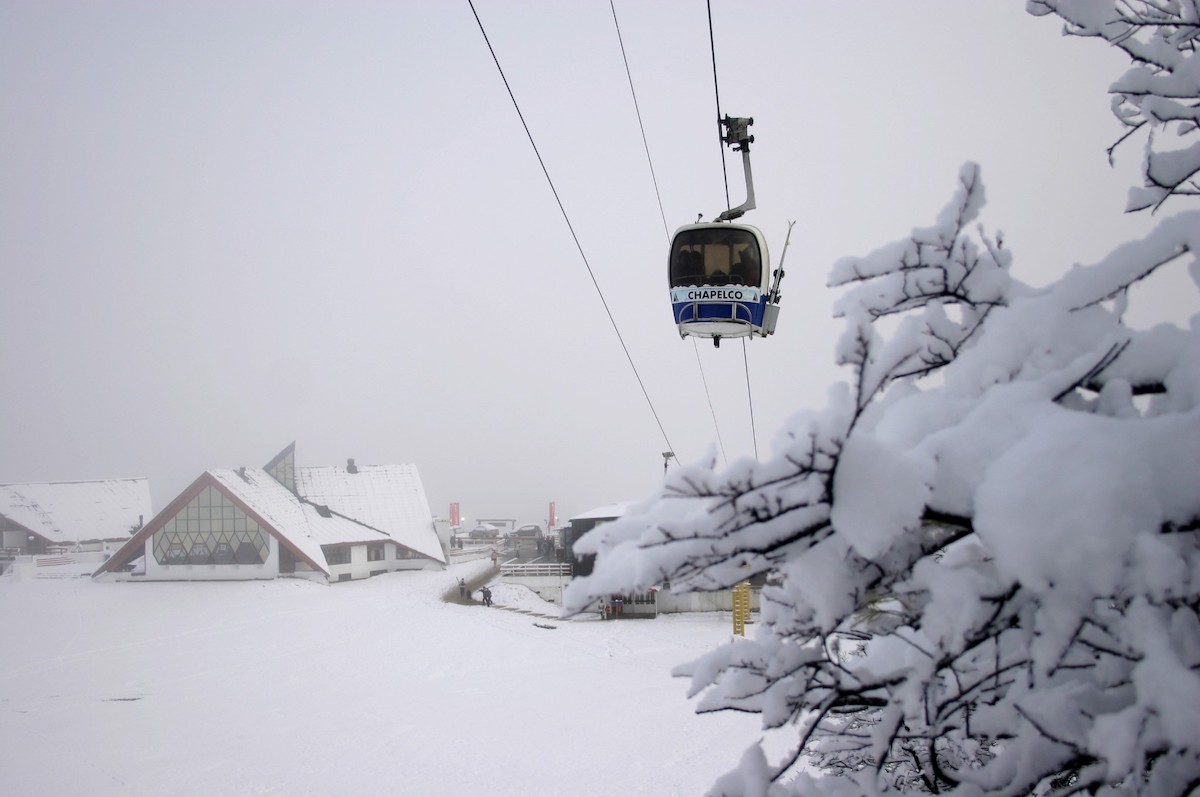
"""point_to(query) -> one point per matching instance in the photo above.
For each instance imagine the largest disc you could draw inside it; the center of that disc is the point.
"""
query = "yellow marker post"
(741, 607)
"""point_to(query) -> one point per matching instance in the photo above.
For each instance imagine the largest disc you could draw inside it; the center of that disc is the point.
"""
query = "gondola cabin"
(719, 275)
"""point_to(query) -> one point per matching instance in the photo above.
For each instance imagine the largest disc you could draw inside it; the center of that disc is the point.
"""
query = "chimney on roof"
(242, 471)
(350, 466)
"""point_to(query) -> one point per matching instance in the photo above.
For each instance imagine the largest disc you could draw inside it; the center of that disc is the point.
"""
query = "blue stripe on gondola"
(708, 312)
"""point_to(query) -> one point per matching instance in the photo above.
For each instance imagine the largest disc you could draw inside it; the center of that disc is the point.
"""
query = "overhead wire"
(708, 395)
(712, 43)
(658, 195)
(750, 398)
(571, 227)
(641, 127)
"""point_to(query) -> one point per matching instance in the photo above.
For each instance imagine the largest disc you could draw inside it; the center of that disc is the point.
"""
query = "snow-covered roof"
(386, 503)
(605, 512)
(386, 498)
(70, 512)
(275, 504)
(335, 529)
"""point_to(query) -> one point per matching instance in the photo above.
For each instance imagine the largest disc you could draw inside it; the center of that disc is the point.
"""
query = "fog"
(228, 226)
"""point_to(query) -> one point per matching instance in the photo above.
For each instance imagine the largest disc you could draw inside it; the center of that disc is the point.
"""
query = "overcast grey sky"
(225, 226)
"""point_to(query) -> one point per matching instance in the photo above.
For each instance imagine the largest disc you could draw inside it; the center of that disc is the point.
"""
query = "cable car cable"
(711, 409)
(662, 212)
(745, 359)
(750, 399)
(712, 44)
(721, 141)
(570, 226)
(641, 127)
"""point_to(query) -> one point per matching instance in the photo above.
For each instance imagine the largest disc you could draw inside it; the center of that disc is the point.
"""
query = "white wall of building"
(360, 566)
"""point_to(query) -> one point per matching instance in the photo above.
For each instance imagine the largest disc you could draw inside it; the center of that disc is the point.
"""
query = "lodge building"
(327, 524)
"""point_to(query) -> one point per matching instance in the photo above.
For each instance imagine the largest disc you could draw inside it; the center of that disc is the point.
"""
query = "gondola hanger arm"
(737, 135)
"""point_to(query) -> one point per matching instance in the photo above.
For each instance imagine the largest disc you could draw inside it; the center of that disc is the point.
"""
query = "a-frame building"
(325, 523)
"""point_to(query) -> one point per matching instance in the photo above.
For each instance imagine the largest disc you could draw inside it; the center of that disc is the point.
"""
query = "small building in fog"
(581, 524)
(658, 599)
(41, 518)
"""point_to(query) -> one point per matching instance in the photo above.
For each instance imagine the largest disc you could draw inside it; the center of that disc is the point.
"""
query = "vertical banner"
(552, 522)
(455, 515)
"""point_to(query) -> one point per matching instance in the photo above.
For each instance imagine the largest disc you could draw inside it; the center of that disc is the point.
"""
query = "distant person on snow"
(462, 589)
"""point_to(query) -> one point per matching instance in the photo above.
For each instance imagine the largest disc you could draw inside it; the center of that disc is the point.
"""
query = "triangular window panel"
(210, 530)
(283, 467)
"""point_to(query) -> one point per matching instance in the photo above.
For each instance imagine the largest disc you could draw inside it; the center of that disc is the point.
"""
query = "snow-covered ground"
(371, 687)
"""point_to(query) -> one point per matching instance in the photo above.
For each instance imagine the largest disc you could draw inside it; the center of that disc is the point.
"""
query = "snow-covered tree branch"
(1157, 96)
(982, 558)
